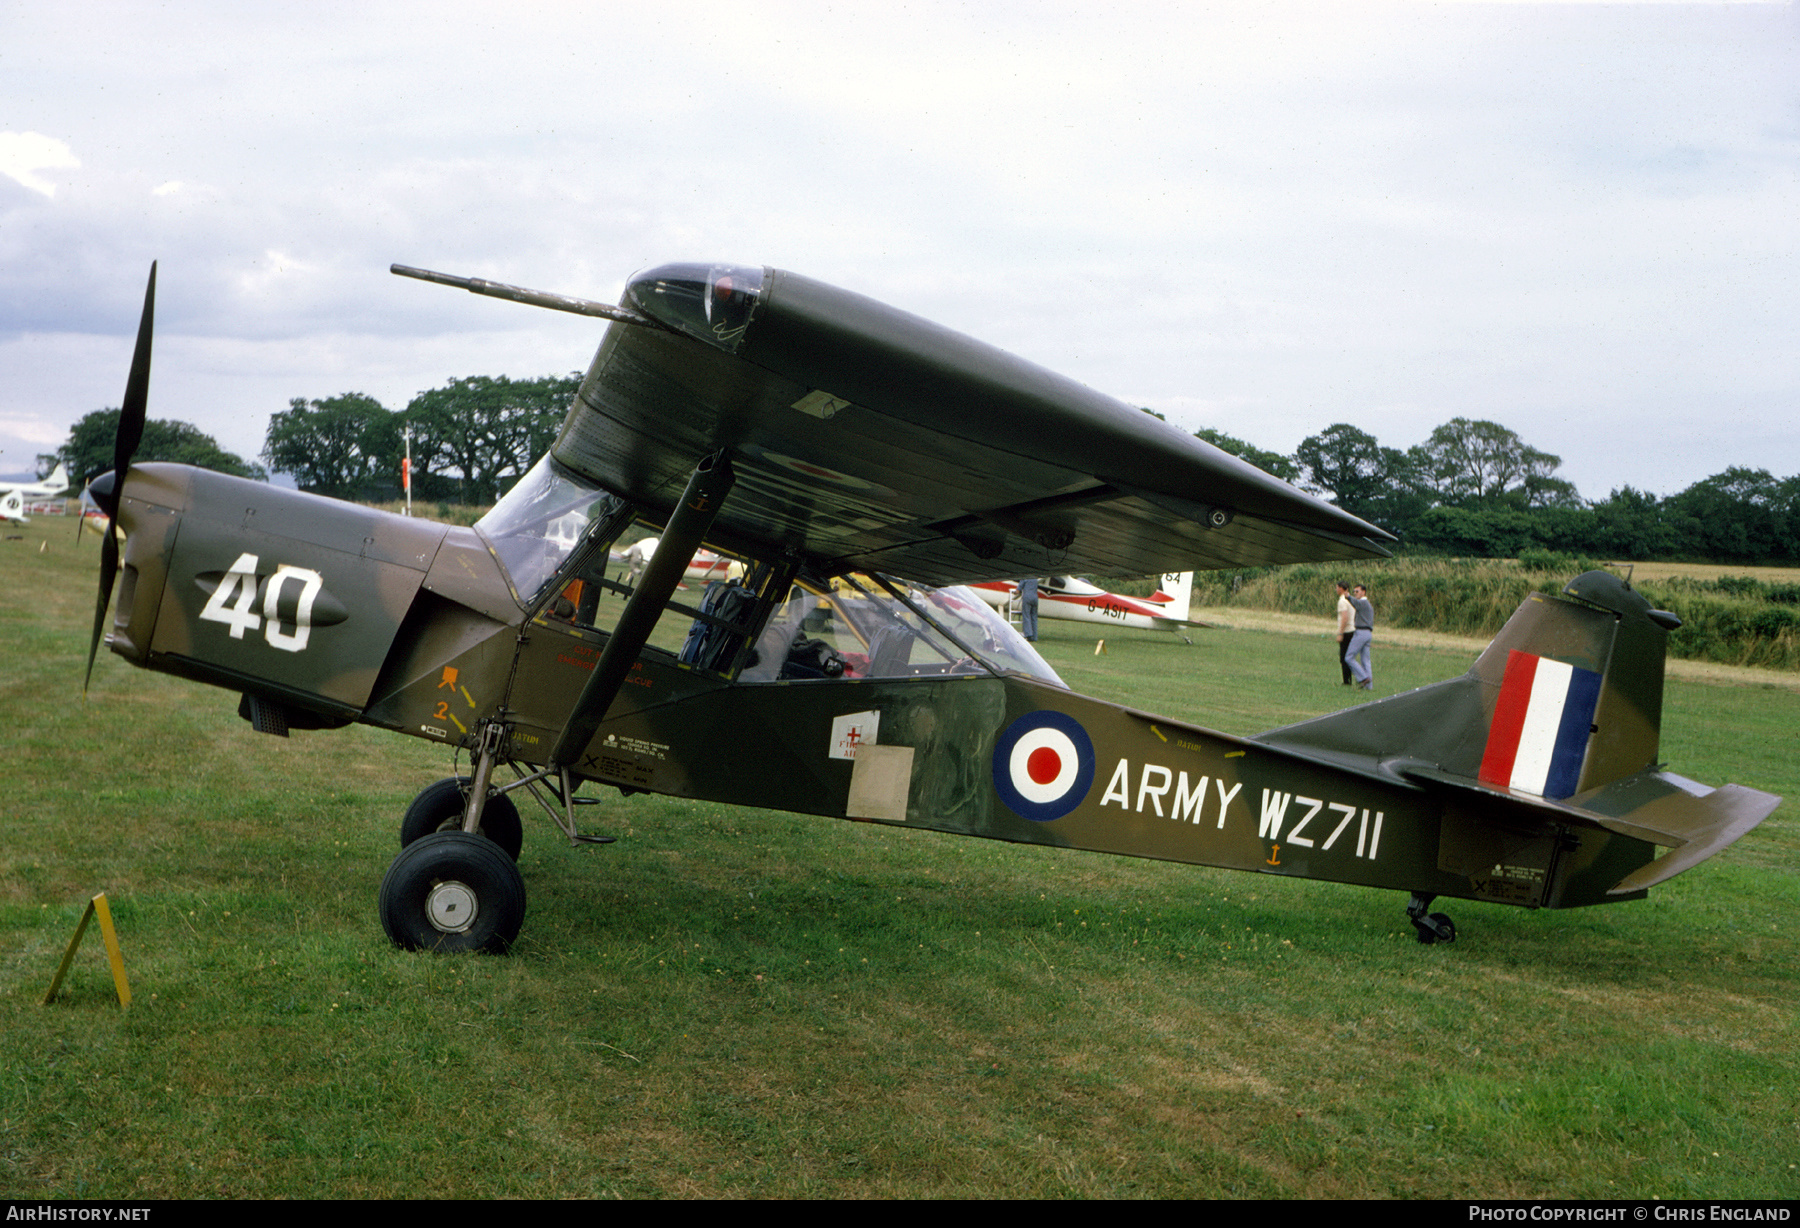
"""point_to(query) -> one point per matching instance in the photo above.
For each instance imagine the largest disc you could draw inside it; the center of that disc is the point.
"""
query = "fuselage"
(849, 697)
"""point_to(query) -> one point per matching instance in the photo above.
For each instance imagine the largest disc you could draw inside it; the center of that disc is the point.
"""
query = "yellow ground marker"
(1100, 648)
(96, 906)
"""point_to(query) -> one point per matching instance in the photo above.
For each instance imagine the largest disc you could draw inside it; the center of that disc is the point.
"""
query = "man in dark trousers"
(1363, 615)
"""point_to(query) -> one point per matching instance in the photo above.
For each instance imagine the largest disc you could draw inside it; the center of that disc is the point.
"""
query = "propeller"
(109, 493)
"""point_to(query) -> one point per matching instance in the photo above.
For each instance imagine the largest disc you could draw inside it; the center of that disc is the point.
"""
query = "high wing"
(868, 439)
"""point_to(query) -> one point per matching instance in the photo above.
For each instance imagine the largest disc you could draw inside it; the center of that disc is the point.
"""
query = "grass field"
(738, 1003)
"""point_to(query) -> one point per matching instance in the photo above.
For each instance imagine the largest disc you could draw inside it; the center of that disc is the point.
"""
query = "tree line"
(88, 451)
(1475, 488)
(471, 440)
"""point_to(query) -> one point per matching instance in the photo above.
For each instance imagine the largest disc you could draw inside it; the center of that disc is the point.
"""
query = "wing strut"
(706, 490)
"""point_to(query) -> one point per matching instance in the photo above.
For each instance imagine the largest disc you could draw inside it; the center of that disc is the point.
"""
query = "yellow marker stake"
(96, 906)
(1100, 648)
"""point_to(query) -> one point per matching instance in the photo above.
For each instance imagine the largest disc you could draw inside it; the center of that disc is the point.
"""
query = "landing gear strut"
(1437, 927)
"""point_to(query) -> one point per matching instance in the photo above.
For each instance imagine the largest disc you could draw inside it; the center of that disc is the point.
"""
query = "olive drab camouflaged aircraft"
(863, 465)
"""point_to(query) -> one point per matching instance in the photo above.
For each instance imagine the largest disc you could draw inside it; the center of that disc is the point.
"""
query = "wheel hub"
(451, 907)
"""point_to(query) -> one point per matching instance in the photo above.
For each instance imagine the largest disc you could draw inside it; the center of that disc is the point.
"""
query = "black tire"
(450, 891)
(1438, 927)
(439, 807)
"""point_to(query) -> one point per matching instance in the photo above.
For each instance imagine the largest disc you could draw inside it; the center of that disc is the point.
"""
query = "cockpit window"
(538, 522)
(976, 624)
(554, 533)
(855, 628)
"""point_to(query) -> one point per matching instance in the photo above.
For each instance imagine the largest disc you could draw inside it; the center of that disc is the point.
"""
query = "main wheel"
(439, 807)
(450, 891)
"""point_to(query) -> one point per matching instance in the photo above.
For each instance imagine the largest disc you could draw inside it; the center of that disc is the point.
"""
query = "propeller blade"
(125, 442)
(109, 567)
(137, 394)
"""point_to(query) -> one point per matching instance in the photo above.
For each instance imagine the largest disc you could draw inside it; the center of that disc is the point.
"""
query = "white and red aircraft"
(705, 566)
(1073, 599)
(15, 495)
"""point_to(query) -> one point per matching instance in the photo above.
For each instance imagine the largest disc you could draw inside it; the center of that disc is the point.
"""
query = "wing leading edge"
(866, 438)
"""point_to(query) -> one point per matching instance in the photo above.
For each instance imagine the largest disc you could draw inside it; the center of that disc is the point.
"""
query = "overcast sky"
(1581, 221)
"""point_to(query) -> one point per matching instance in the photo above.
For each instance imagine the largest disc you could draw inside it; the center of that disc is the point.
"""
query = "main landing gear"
(1437, 927)
(454, 886)
(453, 891)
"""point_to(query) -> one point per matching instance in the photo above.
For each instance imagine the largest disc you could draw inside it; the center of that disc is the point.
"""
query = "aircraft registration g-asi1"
(1073, 599)
(864, 465)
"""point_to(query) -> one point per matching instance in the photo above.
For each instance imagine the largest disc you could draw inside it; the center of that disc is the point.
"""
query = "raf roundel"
(1043, 765)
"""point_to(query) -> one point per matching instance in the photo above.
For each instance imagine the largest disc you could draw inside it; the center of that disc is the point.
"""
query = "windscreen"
(537, 523)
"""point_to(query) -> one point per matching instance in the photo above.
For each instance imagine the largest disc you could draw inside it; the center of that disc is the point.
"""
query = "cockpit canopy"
(557, 536)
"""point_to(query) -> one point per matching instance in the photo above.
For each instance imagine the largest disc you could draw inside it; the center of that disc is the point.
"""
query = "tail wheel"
(451, 891)
(1438, 927)
(439, 807)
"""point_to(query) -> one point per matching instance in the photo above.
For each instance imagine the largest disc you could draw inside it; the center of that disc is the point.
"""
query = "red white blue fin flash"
(1538, 739)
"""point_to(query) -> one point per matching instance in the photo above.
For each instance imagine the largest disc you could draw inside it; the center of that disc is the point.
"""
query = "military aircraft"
(14, 495)
(1072, 599)
(864, 464)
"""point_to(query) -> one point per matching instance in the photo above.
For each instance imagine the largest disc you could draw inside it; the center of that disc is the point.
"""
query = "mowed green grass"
(734, 1002)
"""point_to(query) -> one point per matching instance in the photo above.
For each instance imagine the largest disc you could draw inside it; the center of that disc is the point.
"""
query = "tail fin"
(1562, 714)
(1577, 687)
(1179, 588)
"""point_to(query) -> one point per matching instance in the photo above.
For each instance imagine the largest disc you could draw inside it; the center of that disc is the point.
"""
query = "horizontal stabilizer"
(1657, 807)
(1694, 825)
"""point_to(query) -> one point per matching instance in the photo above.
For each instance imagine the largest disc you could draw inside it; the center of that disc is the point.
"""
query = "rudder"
(1577, 685)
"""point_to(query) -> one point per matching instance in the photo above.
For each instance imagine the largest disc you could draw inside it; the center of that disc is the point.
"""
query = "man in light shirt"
(1345, 617)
